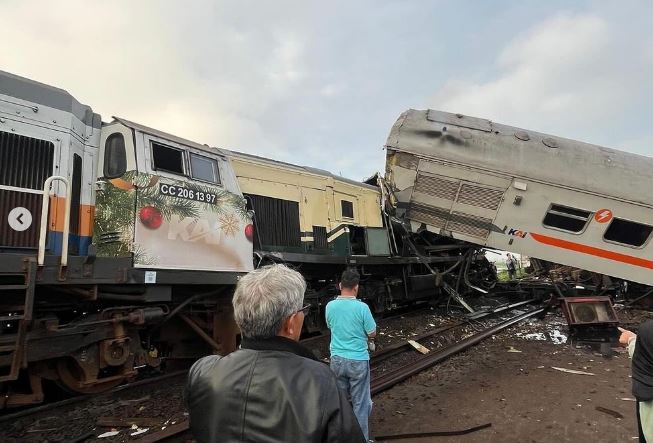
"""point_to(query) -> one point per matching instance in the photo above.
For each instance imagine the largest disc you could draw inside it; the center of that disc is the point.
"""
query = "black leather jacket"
(271, 390)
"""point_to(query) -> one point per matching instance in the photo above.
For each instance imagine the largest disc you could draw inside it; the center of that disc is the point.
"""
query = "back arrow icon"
(20, 219)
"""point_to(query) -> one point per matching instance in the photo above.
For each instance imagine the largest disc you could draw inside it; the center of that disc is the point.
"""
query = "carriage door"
(25, 164)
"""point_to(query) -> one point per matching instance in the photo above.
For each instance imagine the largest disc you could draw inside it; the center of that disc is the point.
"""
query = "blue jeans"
(353, 377)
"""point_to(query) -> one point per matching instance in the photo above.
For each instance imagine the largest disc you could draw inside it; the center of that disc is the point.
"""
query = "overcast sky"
(321, 83)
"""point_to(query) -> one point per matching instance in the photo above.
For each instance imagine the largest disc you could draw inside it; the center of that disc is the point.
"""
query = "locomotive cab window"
(347, 209)
(567, 219)
(204, 168)
(167, 159)
(627, 232)
(115, 157)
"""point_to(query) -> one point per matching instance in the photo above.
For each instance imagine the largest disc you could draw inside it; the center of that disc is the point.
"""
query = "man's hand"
(626, 336)
(371, 346)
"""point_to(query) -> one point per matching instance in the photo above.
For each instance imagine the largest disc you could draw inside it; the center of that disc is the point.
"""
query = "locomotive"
(120, 244)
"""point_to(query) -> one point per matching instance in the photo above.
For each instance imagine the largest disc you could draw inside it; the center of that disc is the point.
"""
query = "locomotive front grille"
(25, 162)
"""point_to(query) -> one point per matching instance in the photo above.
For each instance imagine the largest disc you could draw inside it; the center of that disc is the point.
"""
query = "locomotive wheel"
(71, 376)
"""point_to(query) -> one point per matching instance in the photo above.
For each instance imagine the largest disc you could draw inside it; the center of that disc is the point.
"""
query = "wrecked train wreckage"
(553, 199)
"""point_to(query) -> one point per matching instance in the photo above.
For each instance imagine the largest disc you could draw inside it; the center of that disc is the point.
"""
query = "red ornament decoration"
(249, 232)
(150, 217)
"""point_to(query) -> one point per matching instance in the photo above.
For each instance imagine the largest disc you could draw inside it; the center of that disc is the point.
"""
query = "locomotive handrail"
(17, 189)
(44, 219)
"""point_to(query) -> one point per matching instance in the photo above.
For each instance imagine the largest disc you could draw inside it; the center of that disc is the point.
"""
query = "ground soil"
(519, 393)
(507, 381)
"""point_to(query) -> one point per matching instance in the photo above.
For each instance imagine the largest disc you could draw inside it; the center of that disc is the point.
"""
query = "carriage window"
(115, 157)
(347, 208)
(567, 219)
(204, 168)
(167, 159)
(627, 232)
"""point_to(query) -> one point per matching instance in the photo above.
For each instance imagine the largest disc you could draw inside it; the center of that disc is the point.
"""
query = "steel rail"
(81, 397)
(390, 379)
(384, 382)
(396, 348)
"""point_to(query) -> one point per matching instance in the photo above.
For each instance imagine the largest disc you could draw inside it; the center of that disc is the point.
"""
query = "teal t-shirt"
(349, 320)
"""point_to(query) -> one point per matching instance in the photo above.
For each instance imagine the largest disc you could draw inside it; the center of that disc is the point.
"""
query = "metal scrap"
(611, 412)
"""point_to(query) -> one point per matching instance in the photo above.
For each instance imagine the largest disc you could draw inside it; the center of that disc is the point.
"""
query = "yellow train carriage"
(306, 210)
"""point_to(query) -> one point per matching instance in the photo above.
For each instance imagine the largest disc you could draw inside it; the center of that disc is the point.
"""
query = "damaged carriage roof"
(516, 152)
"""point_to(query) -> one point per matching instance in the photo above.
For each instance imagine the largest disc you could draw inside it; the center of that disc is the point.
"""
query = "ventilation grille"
(276, 221)
(469, 224)
(455, 222)
(436, 187)
(430, 215)
(480, 196)
(319, 237)
(25, 162)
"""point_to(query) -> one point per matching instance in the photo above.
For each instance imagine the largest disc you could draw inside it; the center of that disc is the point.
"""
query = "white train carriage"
(548, 197)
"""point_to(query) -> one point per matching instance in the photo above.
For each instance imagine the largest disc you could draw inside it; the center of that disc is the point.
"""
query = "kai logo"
(603, 215)
(192, 230)
(517, 233)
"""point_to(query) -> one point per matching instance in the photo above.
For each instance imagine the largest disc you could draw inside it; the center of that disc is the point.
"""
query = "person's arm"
(370, 328)
(628, 340)
(327, 317)
(368, 322)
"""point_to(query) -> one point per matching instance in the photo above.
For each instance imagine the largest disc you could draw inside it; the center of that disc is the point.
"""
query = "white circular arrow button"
(20, 219)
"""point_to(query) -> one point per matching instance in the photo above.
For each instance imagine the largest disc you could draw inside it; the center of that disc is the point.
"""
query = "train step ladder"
(22, 314)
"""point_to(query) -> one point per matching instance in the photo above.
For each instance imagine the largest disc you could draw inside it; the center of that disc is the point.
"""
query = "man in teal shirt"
(352, 326)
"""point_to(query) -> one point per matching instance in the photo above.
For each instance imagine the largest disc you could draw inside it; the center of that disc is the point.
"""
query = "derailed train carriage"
(548, 197)
(120, 245)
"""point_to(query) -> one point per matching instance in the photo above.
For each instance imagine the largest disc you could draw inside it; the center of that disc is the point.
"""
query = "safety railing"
(45, 207)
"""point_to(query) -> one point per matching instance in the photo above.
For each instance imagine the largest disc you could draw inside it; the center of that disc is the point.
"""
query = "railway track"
(380, 382)
(390, 351)
(389, 379)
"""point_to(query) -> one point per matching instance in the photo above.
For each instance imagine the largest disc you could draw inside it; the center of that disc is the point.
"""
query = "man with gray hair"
(272, 389)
